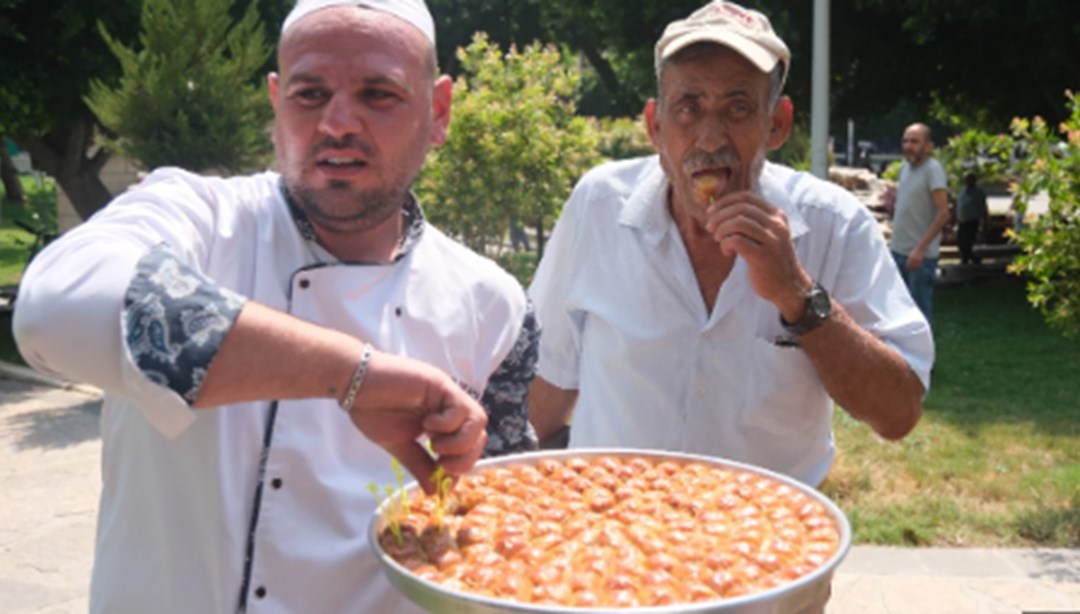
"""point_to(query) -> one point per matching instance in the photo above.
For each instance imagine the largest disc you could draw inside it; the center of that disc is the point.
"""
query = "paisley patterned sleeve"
(505, 397)
(175, 320)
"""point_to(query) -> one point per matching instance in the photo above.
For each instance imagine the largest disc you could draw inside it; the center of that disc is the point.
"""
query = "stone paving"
(50, 464)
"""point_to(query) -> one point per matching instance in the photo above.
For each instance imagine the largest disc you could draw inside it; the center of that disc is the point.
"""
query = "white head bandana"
(413, 11)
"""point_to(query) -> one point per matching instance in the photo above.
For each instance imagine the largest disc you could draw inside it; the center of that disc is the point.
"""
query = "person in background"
(268, 344)
(705, 300)
(971, 212)
(921, 213)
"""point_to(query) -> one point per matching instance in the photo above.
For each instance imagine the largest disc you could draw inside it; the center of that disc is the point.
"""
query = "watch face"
(819, 302)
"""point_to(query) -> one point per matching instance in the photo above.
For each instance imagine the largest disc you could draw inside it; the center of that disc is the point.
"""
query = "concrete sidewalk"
(50, 464)
(50, 467)
(877, 580)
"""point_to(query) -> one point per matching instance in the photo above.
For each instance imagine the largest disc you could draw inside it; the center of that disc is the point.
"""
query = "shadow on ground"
(39, 417)
(1056, 566)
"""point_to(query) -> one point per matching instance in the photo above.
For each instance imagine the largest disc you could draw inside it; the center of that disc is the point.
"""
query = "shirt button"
(701, 392)
(260, 592)
(397, 312)
(276, 483)
(304, 283)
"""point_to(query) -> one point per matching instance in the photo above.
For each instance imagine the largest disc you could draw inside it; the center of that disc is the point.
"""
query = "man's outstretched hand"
(403, 399)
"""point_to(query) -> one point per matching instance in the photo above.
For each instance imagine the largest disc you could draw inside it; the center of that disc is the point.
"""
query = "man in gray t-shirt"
(921, 211)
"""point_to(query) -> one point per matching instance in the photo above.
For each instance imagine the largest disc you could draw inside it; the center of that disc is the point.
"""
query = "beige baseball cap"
(413, 11)
(743, 30)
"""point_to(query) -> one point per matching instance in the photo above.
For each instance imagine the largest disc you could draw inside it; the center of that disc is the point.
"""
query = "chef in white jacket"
(267, 343)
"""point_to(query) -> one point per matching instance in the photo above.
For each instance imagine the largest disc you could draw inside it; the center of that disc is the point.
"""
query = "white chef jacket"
(625, 323)
(179, 490)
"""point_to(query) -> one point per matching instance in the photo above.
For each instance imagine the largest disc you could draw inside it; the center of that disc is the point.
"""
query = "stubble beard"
(916, 157)
(340, 208)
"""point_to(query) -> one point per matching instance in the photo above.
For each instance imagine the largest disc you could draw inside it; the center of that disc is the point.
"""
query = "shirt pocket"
(785, 394)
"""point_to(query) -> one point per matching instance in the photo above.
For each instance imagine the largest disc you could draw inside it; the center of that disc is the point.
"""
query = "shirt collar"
(777, 185)
(646, 204)
(414, 222)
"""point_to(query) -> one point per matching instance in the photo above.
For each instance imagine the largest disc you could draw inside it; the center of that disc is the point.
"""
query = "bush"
(795, 152)
(624, 137)
(892, 173)
(522, 265)
(989, 156)
(1051, 258)
(515, 148)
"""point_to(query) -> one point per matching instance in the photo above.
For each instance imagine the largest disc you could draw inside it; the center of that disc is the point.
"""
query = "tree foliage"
(1051, 258)
(190, 95)
(971, 64)
(623, 137)
(989, 156)
(616, 37)
(515, 147)
(49, 51)
(505, 22)
(1039, 159)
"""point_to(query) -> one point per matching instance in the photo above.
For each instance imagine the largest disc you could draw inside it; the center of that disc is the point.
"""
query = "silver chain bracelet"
(357, 379)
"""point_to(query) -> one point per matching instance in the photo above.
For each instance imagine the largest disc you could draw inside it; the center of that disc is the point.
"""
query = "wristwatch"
(817, 309)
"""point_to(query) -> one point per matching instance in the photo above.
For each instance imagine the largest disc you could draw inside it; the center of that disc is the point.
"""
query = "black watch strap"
(818, 306)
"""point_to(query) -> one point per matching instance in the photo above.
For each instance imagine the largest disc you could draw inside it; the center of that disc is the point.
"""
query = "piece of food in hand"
(707, 188)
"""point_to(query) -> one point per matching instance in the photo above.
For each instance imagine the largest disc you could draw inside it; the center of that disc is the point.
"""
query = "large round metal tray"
(801, 594)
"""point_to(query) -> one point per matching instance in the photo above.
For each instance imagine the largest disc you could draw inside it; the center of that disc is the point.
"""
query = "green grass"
(15, 245)
(995, 460)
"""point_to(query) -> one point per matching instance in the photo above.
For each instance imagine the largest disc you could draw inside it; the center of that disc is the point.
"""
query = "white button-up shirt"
(624, 323)
(192, 499)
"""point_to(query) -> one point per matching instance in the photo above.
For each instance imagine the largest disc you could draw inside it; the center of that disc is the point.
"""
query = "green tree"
(1051, 244)
(970, 64)
(616, 37)
(49, 51)
(515, 148)
(973, 64)
(189, 96)
(506, 23)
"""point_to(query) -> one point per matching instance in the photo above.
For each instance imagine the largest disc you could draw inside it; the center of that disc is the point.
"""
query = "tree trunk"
(8, 174)
(64, 154)
(86, 191)
(540, 238)
(587, 45)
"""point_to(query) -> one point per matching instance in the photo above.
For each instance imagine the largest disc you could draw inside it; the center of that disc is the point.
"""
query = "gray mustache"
(697, 161)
